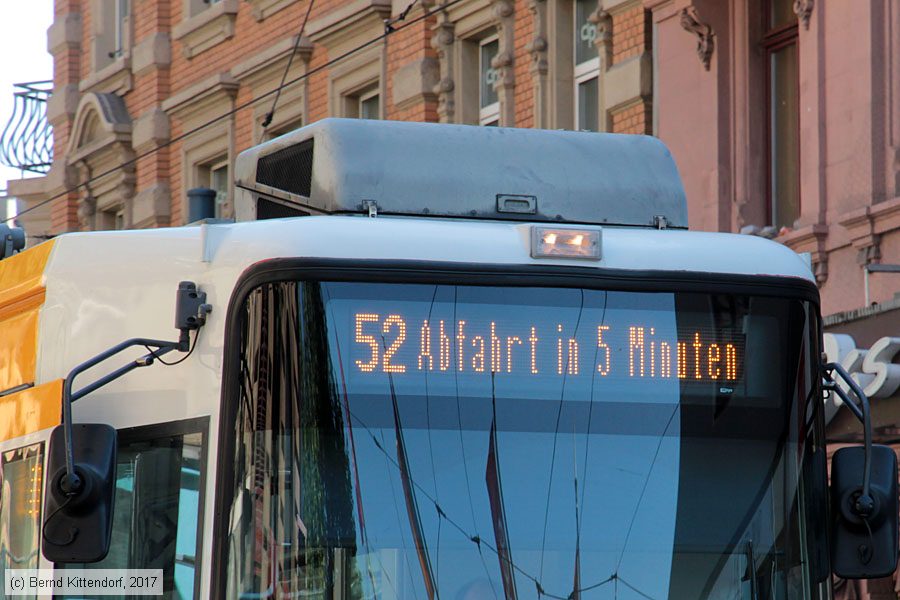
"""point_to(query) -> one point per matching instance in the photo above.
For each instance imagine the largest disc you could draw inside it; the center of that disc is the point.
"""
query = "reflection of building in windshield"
(449, 481)
(296, 511)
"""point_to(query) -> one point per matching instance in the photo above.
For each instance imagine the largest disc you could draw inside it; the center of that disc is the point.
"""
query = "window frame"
(365, 97)
(121, 28)
(112, 218)
(146, 433)
(410, 271)
(352, 100)
(775, 39)
(221, 196)
(489, 115)
(582, 72)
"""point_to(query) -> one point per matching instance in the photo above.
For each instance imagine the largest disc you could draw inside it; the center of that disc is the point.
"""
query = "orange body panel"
(30, 410)
(21, 297)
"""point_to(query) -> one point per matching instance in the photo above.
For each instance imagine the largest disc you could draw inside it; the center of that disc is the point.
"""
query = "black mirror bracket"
(191, 311)
(864, 504)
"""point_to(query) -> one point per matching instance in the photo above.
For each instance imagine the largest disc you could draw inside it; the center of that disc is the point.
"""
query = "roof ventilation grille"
(289, 169)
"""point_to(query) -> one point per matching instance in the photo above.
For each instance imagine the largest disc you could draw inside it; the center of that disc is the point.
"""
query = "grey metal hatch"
(346, 166)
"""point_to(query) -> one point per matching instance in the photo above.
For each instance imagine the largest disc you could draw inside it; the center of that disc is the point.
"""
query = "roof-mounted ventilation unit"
(347, 166)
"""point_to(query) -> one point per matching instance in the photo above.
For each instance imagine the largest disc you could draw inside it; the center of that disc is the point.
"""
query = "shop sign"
(873, 368)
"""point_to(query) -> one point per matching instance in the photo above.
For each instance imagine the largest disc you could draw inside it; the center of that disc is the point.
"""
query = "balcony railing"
(27, 140)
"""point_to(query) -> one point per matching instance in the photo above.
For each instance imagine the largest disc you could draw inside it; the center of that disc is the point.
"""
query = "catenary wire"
(235, 110)
(271, 114)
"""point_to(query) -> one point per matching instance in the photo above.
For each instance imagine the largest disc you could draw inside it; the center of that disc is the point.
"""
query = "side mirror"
(864, 534)
(78, 510)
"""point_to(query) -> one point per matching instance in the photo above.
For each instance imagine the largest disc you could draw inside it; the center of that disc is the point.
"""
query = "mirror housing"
(78, 520)
(864, 547)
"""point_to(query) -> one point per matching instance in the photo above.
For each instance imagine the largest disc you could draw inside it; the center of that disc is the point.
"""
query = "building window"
(363, 104)
(121, 28)
(198, 6)
(488, 100)
(214, 175)
(587, 67)
(370, 106)
(111, 32)
(783, 113)
(111, 219)
(271, 133)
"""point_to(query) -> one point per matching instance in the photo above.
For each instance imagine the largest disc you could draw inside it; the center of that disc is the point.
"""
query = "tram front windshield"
(472, 442)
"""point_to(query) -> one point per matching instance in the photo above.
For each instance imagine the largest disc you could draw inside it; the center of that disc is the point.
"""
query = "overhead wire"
(388, 31)
(389, 23)
(271, 114)
(562, 396)
(462, 446)
(477, 540)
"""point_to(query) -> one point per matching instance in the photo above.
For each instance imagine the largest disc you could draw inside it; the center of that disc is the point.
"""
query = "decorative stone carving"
(803, 9)
(101, 141)
(870, 253)
(87, 204)
(450, 46)
(690, 21)
(537, 47)
(442, 42)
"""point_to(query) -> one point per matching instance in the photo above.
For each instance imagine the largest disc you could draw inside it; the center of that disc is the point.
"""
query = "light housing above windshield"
(550, 242)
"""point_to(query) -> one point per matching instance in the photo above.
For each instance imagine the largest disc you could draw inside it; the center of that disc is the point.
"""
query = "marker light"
(549, 242)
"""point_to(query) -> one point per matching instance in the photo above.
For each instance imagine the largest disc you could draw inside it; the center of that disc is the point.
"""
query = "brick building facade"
(134, 76)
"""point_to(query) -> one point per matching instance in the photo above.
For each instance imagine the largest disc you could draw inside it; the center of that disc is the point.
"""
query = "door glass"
(157, 504)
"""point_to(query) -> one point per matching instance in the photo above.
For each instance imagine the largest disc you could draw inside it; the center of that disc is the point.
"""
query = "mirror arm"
(864, 504)
(72, 482)
(190, 314)
(856, 410)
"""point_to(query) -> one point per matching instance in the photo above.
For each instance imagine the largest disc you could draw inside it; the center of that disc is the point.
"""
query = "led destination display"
(394, 342)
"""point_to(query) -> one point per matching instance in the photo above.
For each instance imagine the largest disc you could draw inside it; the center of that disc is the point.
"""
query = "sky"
(23, 46)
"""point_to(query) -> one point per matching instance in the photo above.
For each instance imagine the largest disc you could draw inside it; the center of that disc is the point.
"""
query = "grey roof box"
(341, 166)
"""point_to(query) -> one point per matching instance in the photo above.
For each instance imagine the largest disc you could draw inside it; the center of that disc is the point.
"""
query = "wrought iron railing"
(27, 140)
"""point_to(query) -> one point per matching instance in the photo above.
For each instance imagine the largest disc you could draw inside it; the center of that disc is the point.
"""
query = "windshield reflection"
(572, 464)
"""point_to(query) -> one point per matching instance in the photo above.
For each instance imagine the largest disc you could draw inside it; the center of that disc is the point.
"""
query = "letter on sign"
(873, 369)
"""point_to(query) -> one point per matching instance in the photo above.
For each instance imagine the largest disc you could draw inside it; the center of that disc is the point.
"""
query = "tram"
(434, 361)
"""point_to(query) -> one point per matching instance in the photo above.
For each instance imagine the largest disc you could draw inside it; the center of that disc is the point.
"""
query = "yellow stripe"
(21, 297)
(22, 273)
(30, 410)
